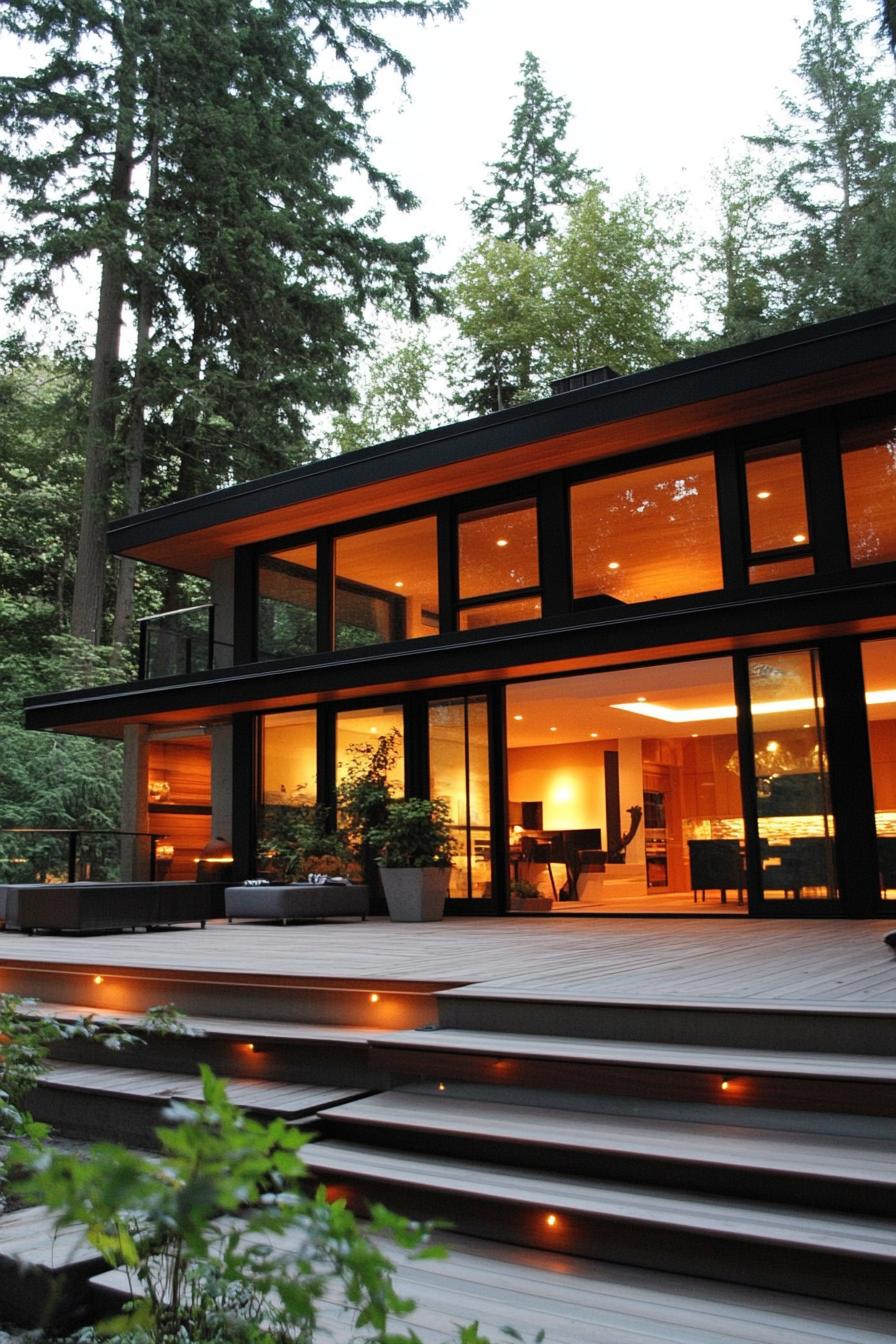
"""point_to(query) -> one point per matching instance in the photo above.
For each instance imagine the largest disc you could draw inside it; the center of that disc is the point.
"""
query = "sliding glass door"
(459, 772)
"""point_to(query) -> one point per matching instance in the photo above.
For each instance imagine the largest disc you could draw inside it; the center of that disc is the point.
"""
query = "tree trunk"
(136, 440)
(87, 599)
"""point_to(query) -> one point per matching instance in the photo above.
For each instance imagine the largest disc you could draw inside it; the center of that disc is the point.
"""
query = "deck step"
(825, 1171)
(329, 1053)
(44, 1274)
(102, 1102)
(733, 1077)
(575, 1301)
(847, 1258)
(766, 1025)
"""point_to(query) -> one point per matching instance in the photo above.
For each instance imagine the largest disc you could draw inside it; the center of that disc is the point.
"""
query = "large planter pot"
(415, 894)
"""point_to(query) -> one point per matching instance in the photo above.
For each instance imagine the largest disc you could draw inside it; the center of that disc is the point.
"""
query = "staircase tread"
(240, 1029)
(29, 1237)
(780, 1150)
(708, 1058)
(258, 1094)
(498, 1284)
(730, 1218)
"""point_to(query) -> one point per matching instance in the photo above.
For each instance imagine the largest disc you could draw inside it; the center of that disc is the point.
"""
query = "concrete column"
(134, 802)
(222, 780)
(222, 597)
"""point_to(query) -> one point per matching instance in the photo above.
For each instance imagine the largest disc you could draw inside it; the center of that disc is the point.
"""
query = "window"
(498, 572)
(879, 665)
(288, 784)
(287, 602)
(459, 773)
(869, 481)
(779, 539)
(387, 584)
(647, 534)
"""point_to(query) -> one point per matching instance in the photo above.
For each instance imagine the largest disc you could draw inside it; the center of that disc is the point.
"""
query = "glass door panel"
(879, 666)
(459, 772)
(796, 825)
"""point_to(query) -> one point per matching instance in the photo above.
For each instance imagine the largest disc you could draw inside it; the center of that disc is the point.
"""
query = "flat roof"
(739, 385)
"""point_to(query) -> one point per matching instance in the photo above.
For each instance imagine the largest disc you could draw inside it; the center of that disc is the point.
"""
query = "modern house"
(640, 634)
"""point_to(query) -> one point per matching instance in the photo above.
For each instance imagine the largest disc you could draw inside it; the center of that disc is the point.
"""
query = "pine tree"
(835, 158)
(199, 153)
(535, 175)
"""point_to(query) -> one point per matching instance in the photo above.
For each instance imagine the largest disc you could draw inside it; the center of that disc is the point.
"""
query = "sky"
(658, 90)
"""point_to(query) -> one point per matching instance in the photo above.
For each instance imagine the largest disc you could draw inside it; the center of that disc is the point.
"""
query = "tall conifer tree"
(198, 152)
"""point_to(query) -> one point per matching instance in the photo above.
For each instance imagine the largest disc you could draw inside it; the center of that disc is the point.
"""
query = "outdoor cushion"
(300, 900)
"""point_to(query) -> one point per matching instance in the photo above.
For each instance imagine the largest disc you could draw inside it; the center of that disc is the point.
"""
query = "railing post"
(211, 638)
(153, 841)
(73, 855)
(142, 651)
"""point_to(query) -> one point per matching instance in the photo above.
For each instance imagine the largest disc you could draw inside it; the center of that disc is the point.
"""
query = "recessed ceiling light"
(614, 564)
(595, 734)
(772, 746)
(642, 699)
(553, 729)
(373, 727)
(399, 583)
(806, 725)
(518, 718)
(799, 538)
(502, 541)
(695, 734)
(763, 494)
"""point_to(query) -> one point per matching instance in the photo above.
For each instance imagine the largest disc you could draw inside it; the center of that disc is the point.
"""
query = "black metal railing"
(58, 854)
(175, 643)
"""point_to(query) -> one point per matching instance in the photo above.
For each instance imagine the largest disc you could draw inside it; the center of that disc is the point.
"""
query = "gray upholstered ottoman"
(299, 900)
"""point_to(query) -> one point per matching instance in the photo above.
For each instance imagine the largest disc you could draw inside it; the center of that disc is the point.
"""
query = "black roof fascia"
(816, 349)
(443, 657)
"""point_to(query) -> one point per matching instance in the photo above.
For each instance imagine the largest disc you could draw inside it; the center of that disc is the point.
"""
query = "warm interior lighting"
(502, 541)
(158, 790)
(518, 718)
(374, 998)
(553, 728)
(218, 850)
(97, 979)
(772, 746)
(799, 538)
(551, 1220)
(594, 734)
(614, 564)
(399, 583)
(763, 494)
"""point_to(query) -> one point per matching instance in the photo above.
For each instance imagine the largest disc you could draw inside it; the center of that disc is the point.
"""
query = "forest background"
(213, 161)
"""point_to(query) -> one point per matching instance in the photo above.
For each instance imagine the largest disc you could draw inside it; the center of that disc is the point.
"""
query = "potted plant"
(414, 847)
(363, 798)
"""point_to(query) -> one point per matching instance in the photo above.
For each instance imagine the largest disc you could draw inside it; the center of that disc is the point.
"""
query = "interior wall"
(185, 765)
(289, 761)
(567, 779)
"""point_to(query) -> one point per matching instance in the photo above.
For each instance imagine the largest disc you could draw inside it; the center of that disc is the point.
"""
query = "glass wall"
(647, 534)
(776, 508)
(459, 772)
(624, 792)
(387, 584)
(287, 602)
(879, 666)
(288, 787)
(796, 828)
(869, 480)
(363, 728)
(498, 559)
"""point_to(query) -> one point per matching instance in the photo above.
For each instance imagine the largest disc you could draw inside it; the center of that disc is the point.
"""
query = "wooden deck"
(813, 964)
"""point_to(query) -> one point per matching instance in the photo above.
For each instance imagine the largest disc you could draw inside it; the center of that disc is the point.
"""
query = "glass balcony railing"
(55, 854)
(175, 643)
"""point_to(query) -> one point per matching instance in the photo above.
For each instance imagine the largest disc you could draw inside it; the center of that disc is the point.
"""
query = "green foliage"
(535, 175)
(48, 779)
(835, 161)
(416, 834)
(365, 793)
(26, 1037)
(394, 395)
(294, 840)
(599, 293)
(218, 1238)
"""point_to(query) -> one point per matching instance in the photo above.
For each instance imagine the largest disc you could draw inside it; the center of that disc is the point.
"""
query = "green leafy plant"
(219, 1240)
(295, 838)
(524, 890)
(416, 834)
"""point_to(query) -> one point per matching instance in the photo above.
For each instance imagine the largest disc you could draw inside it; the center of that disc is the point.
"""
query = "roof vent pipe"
(573, 381)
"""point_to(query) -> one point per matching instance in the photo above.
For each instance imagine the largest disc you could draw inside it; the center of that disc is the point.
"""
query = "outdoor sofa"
(297, 900)
(92, 907)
